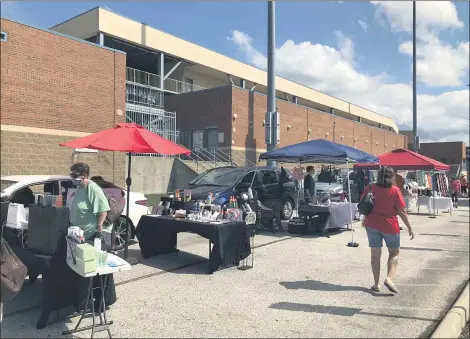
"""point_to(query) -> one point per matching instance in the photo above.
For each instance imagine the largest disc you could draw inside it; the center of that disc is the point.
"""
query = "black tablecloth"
(158, 235)
(61, 286)
(334, 216)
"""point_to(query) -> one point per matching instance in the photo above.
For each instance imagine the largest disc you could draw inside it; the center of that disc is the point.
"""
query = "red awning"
(402, 159)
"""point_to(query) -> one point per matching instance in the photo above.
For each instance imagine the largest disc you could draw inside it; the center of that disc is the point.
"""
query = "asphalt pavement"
(300, 286)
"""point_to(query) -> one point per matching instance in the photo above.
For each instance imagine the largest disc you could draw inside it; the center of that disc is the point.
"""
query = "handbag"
(13, 272)
(366, 204)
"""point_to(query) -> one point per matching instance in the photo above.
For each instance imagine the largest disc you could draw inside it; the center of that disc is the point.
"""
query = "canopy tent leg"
(128, 183)
(432, 197)
(351, 243)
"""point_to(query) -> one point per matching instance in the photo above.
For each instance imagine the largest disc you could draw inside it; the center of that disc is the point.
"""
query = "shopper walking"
(463, 185)
(382, 224)
(455, 191)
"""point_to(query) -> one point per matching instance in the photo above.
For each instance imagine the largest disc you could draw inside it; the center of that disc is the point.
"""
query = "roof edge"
(64, 35)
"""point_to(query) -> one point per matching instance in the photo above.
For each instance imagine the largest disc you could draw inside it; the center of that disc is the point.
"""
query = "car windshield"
(218, 177)
(7, 183)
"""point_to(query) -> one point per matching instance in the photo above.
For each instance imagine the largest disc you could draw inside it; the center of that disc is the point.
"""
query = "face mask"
(77, 181)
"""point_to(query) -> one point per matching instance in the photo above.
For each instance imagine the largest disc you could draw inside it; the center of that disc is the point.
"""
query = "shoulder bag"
(366, 204)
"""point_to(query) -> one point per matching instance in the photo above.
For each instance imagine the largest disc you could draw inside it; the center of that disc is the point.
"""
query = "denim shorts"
(375, 238)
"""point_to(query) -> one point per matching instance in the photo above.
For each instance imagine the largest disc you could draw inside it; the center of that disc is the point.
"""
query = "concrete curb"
(456, 318)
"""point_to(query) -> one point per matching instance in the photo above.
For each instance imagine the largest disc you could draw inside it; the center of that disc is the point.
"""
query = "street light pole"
(271, 117)
(415, 112)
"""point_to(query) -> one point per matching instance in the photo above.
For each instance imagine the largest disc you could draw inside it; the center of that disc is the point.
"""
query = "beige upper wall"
(82, 26)
(105, 21)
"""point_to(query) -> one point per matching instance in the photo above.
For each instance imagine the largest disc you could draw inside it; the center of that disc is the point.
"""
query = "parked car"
(19, 189)
(225, 182)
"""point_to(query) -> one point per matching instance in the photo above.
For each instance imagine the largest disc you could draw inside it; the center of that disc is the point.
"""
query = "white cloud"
(438, 63)
(364, 25)
(430, 15)
(329, 70)
(346, 46)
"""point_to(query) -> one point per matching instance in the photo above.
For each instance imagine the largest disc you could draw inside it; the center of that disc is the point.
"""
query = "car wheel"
(120, 232)
(287, 209)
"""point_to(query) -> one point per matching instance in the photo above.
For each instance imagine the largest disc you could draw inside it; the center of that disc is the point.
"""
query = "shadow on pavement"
(315, 285)
(444, 235)
(338, 310)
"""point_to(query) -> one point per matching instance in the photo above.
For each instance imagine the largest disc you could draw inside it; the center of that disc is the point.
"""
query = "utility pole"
(415, 111)
(272, 120)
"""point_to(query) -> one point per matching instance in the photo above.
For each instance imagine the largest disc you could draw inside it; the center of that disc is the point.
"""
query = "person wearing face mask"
(90, 205)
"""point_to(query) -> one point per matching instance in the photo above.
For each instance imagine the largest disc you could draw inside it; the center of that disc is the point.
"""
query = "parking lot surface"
(300, 286)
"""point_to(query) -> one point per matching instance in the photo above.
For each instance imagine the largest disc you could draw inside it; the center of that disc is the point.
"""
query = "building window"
(3, 36)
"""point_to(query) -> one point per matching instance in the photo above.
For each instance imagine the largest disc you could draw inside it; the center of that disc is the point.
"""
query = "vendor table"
(434, 204)
(61, 286)
(102, 273)
(158, 235)
(334, 216)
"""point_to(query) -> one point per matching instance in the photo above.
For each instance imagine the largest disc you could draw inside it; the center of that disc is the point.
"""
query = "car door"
(256, 187)
(269, 187)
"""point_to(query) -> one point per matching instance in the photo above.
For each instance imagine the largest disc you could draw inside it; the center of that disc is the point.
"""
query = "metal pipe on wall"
(271, 74)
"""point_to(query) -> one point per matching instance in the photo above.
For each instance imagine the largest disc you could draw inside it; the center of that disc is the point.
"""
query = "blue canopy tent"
(321, 151)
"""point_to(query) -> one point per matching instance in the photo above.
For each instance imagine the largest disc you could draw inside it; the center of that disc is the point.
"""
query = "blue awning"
(319, 151)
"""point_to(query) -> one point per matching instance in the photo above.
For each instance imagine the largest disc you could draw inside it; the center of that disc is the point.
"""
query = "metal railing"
(155, 120)
(180, 87)
(143, 79)
(143, 95)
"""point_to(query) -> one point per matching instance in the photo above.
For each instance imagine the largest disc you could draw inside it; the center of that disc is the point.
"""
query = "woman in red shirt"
(382, 224)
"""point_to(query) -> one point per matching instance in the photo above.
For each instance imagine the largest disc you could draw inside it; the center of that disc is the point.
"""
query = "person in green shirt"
(89, 206)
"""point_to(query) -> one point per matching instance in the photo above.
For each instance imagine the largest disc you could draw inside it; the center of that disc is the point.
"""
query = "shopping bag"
(13, 272)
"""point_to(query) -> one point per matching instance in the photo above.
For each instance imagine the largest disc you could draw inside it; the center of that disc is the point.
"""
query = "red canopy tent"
(130, 138)
(402, 159)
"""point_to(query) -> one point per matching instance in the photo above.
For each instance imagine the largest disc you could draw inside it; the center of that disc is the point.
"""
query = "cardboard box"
(85, 252)
(85, 267)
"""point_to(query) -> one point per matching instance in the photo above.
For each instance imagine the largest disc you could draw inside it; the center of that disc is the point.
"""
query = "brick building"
(238, 115)
(56, 88)
(451, 153)
(207, 90)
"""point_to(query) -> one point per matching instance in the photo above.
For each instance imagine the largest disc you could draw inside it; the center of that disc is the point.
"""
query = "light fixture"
(309, 131)
(235, 115)
(342, 137)
(386, 145)
(377, 143)
(327, 134)
(233, 142)
(234, 130)
(367, 141)
(289, 127)
(355, 139)
(264, 123)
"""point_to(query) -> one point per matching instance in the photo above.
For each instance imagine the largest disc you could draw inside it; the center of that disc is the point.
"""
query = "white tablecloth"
(341, 214)
(435, 204)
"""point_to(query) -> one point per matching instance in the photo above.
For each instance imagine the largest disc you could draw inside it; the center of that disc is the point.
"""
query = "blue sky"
(376, 49)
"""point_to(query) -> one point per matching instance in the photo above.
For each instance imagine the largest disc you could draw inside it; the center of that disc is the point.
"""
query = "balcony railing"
(143, 95)
(139, 78)
(177, 86)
